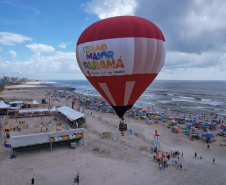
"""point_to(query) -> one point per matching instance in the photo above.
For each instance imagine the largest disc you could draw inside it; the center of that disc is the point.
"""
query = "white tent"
(35, 103)
(70, 113)
(3, 105)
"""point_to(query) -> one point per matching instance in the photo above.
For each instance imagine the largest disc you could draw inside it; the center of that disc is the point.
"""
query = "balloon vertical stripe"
(107, 92)
(128, 91)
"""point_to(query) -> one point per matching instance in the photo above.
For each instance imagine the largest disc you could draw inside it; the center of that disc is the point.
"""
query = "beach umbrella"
(220, 131)
(121, 56)
(187, 131)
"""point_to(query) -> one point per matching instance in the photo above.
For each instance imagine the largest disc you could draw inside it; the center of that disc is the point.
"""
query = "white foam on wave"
(164, 101)
(51, 82)
(184, 98)
(195, 100)
(147, 95)
(210, 102)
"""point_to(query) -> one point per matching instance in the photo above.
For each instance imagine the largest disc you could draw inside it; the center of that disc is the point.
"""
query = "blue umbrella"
(187, 131)
(220, 131)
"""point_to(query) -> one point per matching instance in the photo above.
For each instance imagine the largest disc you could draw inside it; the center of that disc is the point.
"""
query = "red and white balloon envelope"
(121, 56)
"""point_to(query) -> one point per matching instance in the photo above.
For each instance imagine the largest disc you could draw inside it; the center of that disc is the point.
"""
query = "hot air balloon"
(121, 56)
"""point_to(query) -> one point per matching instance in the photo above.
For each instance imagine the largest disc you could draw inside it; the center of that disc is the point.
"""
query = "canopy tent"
(70, 113)
(3, 105)
(3, 108)
(35, 103)
(207, 135)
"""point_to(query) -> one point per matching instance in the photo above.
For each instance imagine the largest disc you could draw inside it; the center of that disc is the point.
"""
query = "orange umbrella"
(59, 128)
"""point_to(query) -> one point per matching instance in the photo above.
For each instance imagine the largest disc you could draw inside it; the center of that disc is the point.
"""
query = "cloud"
(59, 65)
(7, 38)
(64, 45)
(18, 4)
(193, 26)
(108, 8)
(206, 60)
(13, 53)
(41, 48)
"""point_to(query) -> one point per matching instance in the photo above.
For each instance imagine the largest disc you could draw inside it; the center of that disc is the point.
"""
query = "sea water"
(175, 97)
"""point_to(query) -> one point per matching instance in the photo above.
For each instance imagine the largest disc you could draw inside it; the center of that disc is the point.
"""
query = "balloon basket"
(122, 127)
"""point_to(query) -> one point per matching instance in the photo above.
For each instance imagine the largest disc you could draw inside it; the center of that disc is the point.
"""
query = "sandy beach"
(109, 160)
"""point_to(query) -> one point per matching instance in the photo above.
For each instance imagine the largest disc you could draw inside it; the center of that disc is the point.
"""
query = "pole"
(51, 146)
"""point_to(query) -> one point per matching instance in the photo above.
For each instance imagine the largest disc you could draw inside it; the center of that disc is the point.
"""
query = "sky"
(38, 38)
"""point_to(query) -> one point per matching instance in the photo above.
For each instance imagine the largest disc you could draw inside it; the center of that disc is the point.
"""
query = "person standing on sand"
(195, 154)
(208, 146)
(213, 160)
(75, 179)
(32, 181)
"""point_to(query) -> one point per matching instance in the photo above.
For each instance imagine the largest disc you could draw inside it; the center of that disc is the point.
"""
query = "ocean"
(197, 98)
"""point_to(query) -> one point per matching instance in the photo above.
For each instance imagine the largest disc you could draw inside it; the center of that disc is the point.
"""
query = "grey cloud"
(188, 26)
